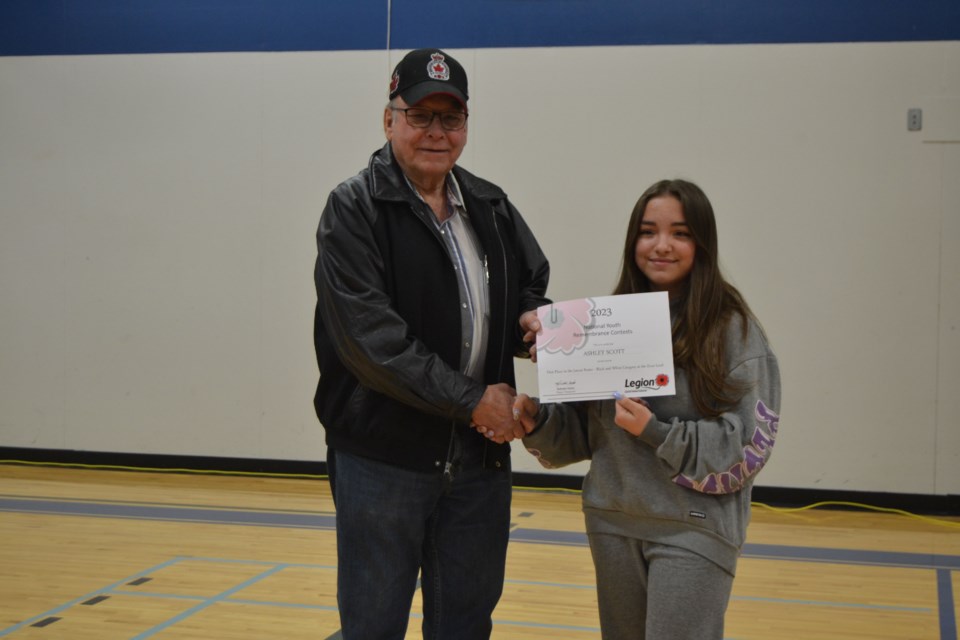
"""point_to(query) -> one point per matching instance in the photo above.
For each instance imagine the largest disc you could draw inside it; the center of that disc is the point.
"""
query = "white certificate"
(593, 347)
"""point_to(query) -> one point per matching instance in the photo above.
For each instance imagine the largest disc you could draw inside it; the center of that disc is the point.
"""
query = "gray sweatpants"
(650, 591)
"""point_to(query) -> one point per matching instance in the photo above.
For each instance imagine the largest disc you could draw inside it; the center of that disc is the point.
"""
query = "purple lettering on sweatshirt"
(755, 455)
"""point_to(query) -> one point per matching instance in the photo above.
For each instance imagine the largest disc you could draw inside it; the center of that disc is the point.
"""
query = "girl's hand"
(525, 410)
(530, 325)
(632, 415)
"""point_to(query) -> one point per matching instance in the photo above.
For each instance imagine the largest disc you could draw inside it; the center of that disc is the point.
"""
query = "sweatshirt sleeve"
(561, 436)
(722, 455)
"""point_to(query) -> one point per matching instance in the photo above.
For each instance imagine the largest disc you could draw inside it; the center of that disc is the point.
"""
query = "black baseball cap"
(424, 72)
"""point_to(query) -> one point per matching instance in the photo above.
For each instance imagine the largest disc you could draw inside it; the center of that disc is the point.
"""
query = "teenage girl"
(667, 497)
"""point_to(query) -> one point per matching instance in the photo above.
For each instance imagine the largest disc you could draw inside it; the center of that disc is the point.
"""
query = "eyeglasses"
(421, 118)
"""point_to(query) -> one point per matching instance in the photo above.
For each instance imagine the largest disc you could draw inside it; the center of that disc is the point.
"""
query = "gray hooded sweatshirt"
(686, 480)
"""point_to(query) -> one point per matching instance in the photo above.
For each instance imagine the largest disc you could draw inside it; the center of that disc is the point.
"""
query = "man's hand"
(493, 415)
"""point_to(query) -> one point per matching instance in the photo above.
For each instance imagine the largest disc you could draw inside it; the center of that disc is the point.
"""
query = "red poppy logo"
(663, 380)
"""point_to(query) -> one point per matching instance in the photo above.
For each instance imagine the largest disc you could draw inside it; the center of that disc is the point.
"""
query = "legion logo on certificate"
(592, 347)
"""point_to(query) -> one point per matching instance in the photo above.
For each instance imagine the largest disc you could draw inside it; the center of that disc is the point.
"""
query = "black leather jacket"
(387, 323)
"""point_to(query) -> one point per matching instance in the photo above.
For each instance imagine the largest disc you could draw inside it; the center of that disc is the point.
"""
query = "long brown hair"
(706, 305)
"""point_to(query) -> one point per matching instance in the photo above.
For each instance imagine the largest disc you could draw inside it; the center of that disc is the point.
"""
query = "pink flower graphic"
(564, 325)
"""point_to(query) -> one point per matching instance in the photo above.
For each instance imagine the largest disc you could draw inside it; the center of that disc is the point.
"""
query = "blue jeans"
(394, 523)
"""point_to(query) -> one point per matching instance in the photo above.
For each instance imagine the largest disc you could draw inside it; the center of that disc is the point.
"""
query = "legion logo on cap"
(437, 68)
(424, 72)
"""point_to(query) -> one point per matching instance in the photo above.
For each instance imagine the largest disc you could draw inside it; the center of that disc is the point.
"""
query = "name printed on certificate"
(591, 348)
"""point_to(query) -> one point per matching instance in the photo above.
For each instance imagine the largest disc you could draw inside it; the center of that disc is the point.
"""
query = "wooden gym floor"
(103, 555)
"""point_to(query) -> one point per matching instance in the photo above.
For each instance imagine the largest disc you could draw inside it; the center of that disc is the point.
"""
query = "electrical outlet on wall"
(914, 119)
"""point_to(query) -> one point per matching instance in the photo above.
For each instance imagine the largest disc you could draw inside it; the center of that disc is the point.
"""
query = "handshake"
(503, 416)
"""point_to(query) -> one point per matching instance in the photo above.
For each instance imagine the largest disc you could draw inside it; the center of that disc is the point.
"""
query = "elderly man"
(427, 283)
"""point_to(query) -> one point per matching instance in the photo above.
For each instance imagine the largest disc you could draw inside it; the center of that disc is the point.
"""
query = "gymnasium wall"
(163, 166)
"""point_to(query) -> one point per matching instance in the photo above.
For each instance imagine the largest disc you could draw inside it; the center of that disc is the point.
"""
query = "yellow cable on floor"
(858, 505)
(825, 503)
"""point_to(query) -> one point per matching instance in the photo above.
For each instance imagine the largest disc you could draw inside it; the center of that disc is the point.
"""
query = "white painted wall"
(157, 218)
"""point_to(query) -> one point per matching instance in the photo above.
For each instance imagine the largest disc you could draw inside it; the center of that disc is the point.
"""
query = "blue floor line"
(560, 585)
(207, 603)
(289, 605)
(948, 618)
(179, 505)
(537, 536)
(834, 603)
(262, 603)
(178, 514)
(948, 625)
(286, 565)
(942, 564)
(852, 556)
(544, 625)
(92, 594)
(155, 594)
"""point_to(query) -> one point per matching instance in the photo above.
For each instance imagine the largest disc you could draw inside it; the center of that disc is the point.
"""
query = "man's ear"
(388, 122)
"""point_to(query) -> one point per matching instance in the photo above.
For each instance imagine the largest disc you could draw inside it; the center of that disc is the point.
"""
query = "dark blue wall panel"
(77, 27)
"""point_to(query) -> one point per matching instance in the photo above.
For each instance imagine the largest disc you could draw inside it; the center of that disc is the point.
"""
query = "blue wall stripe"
(83, 27)
(80, 27)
